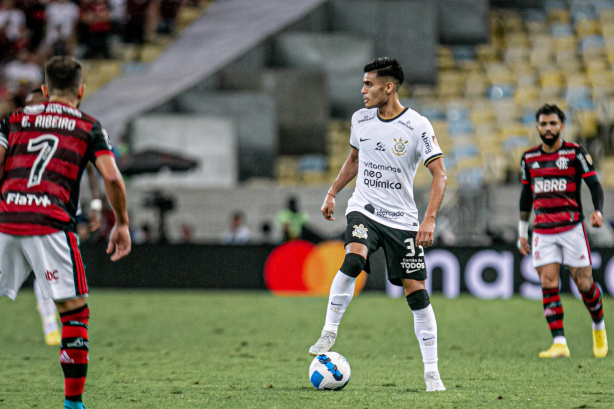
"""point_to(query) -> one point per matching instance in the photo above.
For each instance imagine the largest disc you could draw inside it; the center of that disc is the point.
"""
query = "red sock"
(553, 310)
(592, 300)
(74, 351)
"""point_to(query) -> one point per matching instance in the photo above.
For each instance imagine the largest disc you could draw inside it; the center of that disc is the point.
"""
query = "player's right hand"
(119, 242)
(523, 246)
(328, 207)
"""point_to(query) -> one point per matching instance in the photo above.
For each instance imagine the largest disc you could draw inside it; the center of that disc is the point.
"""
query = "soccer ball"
(329, 371)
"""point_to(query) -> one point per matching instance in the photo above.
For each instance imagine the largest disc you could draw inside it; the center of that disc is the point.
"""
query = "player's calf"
(74, 354)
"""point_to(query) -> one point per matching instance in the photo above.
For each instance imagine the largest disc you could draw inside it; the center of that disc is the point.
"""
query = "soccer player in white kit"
(388, 143)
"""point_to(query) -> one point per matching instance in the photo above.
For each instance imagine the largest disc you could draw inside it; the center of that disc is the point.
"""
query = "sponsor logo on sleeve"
(427, 144)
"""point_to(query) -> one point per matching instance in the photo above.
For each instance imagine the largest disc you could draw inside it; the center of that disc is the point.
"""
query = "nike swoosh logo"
(426, 339)
(362, 140)
(412, 271)
(332, 303)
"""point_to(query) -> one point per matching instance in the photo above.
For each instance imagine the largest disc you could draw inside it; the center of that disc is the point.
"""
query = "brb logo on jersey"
(542, 185)
(399, 148)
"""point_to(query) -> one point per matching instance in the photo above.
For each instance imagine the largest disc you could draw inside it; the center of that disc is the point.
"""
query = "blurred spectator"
(143, 235)
(61, 17)
(118, 16)
(169, 9)
(267, 233)
(187, 233)
(12, 20)
(22, 75)
(292, 220)
(238, 233)
(95, 28)
(35, 21)
(136, 26)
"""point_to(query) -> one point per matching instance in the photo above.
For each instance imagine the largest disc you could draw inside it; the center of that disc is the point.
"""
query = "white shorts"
(55, 259)
(569, 248)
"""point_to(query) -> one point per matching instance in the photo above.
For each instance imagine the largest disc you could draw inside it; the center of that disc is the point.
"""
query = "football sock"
(74, 351)
(341, 293)
(592, 300)
(47, 311)
(425, 328)
(553, 311)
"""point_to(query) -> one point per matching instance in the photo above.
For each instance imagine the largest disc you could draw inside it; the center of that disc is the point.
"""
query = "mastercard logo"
(303, 268)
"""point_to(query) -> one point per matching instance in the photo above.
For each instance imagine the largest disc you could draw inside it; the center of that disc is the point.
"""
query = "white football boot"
(433, 382)
(324, 344)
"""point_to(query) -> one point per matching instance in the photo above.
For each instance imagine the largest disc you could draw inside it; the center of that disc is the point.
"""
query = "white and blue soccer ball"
(329, 371)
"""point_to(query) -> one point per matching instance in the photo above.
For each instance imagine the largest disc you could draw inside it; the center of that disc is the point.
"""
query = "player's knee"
(353, 264)
(418, 300)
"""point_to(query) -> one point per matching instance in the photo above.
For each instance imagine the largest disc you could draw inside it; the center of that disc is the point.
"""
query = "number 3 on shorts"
(47, 145)
(412, 248)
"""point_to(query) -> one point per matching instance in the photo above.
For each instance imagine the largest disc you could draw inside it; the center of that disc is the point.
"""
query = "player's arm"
(96, 202)
(438, 188)
(525, 204)
(119, 242)
(598, 198)
(2, 158)
(590, 178)
(348, 171)
(4, 143)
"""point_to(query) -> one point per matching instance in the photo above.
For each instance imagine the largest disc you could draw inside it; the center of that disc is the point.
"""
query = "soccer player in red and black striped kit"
(552, 175)
(43, 151)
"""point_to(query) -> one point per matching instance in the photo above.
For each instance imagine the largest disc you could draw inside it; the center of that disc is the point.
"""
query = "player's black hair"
(548, 109)
(63, 75)
(387, 67)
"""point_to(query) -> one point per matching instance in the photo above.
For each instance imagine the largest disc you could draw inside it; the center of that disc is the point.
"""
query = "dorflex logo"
(303, 268)
(542, 185)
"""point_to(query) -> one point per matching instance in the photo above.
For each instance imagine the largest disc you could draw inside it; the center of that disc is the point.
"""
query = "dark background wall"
(241, 267)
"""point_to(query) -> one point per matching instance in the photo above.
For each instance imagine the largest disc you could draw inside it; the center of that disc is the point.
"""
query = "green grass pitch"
(173, 349)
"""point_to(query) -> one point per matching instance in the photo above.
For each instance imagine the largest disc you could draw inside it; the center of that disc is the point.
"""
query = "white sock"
(341, 293)
(598, 326)
(425, 328)
(560, 339)
(46, 309)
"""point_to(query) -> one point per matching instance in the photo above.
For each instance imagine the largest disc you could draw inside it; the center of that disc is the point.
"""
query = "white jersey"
(390, 151)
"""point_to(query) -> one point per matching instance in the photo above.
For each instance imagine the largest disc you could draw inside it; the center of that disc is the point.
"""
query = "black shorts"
(403, 258)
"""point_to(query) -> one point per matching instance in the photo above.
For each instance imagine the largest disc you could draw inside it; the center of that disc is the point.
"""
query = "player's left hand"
(424, 237)
(596, 219)
(120, 243)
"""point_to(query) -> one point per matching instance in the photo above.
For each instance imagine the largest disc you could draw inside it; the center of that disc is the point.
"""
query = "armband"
(523, 229)
(96, 204)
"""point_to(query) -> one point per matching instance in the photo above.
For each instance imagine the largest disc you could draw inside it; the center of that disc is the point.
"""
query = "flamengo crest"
(562, 163)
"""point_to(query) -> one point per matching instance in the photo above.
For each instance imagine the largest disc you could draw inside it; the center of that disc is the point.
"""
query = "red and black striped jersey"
(47, 147)
(556, 182)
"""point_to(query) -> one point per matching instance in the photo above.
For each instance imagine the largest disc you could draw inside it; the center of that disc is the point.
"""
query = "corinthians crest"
(399, 147)
(360, 231)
